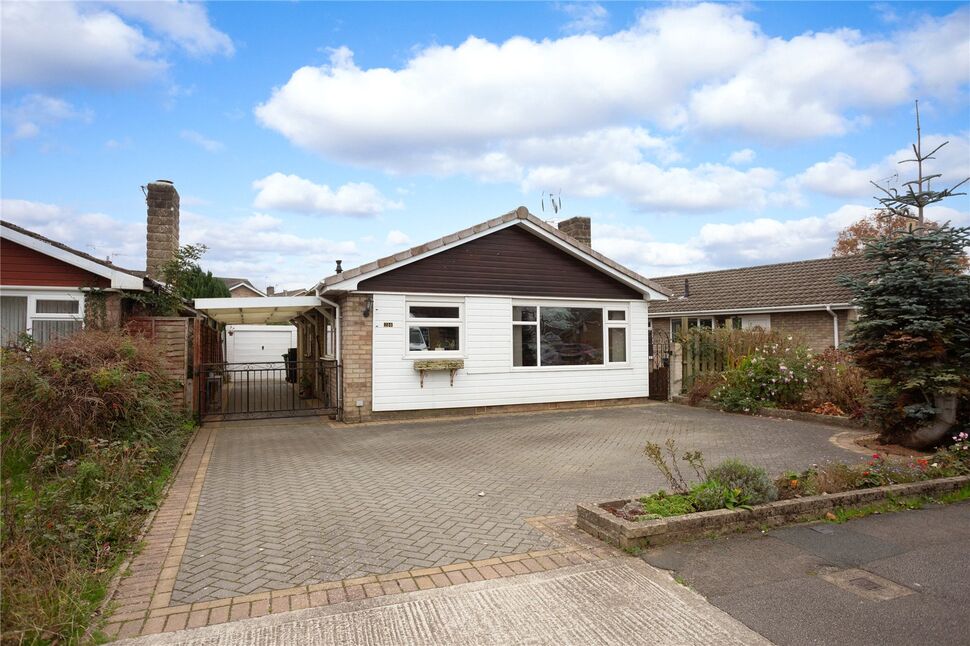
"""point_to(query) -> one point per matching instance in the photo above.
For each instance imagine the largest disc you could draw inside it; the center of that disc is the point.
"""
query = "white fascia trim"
(351, 283)
(247, 286)
(119, 279)
(755, 310)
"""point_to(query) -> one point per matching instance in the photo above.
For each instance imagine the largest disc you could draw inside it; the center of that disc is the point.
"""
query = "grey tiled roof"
(520, 213)
(806, 282)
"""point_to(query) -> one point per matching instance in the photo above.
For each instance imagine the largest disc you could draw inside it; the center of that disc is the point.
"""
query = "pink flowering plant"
(773, 375)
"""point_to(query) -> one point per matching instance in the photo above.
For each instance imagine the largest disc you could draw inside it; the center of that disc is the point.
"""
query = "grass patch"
(844, 514)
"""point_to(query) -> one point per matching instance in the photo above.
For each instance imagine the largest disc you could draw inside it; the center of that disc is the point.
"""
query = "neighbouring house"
(48, 290)
(242, 287)
(510, 313)
(804, 298)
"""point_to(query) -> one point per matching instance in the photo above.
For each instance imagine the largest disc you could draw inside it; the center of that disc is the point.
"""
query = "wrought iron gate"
(270, 389)
(660, 351)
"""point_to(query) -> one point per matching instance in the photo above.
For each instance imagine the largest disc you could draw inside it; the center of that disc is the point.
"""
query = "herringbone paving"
(294, 502)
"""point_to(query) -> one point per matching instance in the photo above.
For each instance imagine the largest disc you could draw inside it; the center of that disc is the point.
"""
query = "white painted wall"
(488, 378)
(258, 343)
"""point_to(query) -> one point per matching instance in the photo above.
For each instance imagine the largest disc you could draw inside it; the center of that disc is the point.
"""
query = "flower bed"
(599, 521)
(734, 495)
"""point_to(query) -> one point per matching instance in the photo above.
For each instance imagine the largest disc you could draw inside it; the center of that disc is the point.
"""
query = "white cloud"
(736, 244)
(98, 234)
(203, 142)
(185, 23)
(293, 193)
(479, 93)
(841, 176)
(258, 246)
(66, 43)
(397, 238)
(34, 112)
(741, 157)
(480, 97)
(584, 17)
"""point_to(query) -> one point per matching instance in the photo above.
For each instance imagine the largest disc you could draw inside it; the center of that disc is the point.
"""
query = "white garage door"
(258, 343)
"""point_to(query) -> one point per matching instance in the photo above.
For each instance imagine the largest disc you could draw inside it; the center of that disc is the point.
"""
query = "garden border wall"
(781, 413)
(593, 519)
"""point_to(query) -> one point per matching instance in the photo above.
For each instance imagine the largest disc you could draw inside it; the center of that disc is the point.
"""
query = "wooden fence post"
(197, 379)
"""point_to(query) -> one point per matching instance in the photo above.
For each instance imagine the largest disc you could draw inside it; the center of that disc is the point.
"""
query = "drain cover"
(867, 585)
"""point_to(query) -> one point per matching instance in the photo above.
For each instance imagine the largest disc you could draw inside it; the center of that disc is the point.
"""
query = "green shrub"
(753, 483)
(710, 495)
(662, 504)
(92, 385)
(89, 440)
(772, 375)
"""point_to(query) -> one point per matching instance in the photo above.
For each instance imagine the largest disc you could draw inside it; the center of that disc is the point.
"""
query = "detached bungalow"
(512, 312)
(805, 298)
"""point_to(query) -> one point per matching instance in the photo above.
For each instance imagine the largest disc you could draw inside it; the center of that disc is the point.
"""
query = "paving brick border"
(598, 522)
(141, 602)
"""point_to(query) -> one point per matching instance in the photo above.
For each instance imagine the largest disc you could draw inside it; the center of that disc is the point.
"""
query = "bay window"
(567, 335)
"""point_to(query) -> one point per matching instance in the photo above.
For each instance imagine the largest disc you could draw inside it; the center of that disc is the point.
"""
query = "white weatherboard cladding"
(488, 378)
(258, 343)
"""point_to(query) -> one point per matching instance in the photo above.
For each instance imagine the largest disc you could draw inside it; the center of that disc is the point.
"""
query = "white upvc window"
(435, 328)
(44, 315)
(570, 335)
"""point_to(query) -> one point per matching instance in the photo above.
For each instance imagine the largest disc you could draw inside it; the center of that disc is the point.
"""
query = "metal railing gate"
(270, 389)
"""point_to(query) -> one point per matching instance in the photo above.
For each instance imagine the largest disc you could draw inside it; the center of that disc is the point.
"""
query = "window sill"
(614, 366)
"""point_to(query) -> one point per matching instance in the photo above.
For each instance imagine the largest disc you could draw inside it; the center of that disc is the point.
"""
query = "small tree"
(913, 333)
(184, 280)
(878, 225)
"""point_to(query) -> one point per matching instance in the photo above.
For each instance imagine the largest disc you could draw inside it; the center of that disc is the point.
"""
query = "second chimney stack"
(163, 226)
(579, 229)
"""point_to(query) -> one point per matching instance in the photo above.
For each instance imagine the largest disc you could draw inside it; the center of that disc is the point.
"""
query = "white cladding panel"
(488, 378)
(258, 343)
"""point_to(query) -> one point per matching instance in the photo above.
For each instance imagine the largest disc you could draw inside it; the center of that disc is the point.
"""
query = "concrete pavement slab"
(621, 602)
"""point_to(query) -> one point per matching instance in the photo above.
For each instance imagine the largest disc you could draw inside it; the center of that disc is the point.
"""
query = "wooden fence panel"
(171, 335)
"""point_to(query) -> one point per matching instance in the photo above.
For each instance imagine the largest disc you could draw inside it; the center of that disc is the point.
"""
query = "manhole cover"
(867, 585)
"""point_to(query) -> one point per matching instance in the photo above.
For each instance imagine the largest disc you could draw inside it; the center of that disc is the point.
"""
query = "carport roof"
(256, 310)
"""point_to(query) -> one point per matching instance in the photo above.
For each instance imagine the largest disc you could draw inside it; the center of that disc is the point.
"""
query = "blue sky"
(696, 136)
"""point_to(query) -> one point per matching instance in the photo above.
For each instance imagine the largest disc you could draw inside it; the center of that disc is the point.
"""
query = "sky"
(696, 136)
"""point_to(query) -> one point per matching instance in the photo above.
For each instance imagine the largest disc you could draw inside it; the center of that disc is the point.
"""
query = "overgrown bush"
(89, 440)
(835, 379)
(96, 384)
(772, 375)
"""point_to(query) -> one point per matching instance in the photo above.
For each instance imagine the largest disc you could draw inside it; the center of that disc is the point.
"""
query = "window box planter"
(596, 519)
(451, 365)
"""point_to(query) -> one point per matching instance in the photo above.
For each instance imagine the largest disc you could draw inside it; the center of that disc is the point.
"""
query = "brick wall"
(814, 328)
(357, 339)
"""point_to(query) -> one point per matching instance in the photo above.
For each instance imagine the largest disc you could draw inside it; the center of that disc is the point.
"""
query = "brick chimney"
(270, 290)
(579, 229)
(163, 226)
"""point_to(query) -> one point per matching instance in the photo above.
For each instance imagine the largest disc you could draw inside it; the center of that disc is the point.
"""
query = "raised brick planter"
(781, 413)
(594, 519)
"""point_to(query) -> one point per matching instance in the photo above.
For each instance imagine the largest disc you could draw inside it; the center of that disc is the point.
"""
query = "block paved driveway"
(299, 501)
